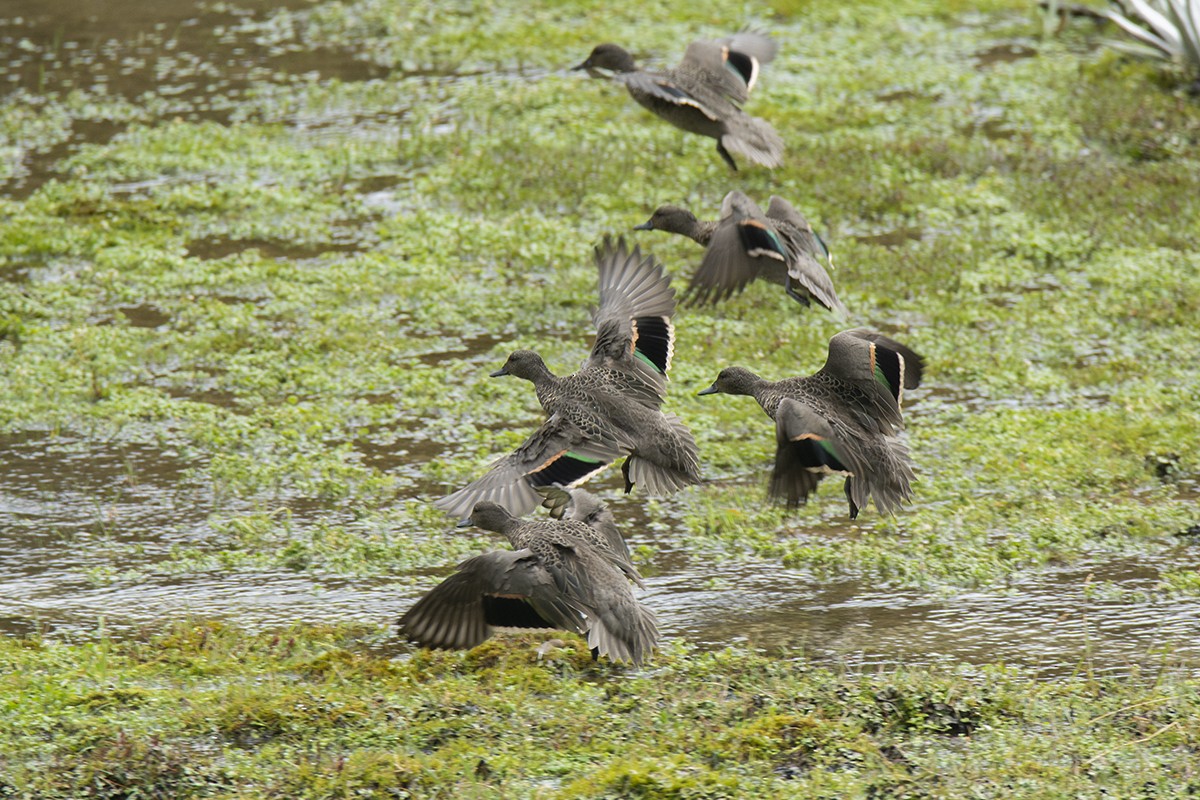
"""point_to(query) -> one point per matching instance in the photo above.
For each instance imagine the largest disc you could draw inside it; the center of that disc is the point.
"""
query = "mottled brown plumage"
(583, 506)
(704, 93)
(562, 574)
(843, 419)
(609, 408)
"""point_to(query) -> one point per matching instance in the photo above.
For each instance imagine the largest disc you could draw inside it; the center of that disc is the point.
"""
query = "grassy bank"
(279, 284)
(207, 711)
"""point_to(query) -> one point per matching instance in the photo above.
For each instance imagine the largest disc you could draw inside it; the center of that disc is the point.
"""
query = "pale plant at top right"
(1168, 29)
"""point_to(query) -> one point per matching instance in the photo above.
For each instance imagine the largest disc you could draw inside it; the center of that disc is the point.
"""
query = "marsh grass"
(327, 269)
(203, 710)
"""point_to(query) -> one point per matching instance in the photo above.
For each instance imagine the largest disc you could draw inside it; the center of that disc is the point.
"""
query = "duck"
(745, 244)
(561, 574)
(579, 504)
(842, 420)
(607, 410)
(704, 93)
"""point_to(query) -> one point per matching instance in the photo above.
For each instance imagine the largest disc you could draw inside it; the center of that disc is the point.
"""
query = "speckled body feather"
(562, 574)
(843, 419)
(609, 408)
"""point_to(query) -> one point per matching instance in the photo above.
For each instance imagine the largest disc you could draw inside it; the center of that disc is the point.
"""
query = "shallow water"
(179, 59)
(67, 505)
(71, 506)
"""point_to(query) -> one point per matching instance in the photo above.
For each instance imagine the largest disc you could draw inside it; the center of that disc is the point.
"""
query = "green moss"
(300, 288)
(359, 774)
(203, 709)
(1183, 582)
(130, 765)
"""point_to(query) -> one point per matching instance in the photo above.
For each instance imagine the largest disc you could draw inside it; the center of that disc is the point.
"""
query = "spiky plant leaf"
(1161, 47)
(1170, 27)
(1186, 14)
(1136, 49)
(1162, 26)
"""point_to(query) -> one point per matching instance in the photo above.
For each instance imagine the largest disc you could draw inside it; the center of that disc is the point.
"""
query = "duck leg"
(849, 499)
(725, 155)
(799, 297)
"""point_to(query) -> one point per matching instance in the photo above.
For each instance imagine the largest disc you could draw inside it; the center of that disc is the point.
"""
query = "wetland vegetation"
(256, 263)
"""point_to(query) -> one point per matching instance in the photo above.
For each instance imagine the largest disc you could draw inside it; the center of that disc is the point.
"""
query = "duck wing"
(504, 588)
(558, 452)
(810, 445)
(864, 377)
(656, 89)
(618, 626)
(743, 245)
(635, 335)
(805, 250)
(730, 64)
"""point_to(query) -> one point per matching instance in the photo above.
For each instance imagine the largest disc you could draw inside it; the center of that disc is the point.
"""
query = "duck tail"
(755, 139)
(624, 642)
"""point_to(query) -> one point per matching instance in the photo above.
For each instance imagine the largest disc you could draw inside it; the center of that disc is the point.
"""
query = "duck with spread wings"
(704, 93)
(609, 409)
(745, 244)
(844, 420)
(562, 574)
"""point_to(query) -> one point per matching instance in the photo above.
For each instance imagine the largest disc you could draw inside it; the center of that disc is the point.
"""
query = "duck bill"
(645, 226)
(498, 373)
(710, 390)
(465, 522)
(594, 72)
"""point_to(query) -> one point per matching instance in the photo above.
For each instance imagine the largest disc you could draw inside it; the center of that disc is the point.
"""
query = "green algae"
(304, 293)
(202, 710)
(1031, 293)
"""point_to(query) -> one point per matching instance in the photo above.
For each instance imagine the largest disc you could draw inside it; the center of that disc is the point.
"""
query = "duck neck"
(511, 530)
(545, 384)
(768, 396)
(701, 231)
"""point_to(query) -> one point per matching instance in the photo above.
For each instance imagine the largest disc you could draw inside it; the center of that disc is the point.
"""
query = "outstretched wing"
(743, 244)
(557, 453)
(810, 446)
(651, 89)
(635, 336)
(865, 358)
(503, 588)
(899, 375)
(618, 626)
(860, 384)
(730, 64)
(806, 250)
(806, 450)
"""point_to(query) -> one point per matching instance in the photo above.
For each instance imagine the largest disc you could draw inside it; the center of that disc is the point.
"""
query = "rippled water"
(65, 504)
(176, 59)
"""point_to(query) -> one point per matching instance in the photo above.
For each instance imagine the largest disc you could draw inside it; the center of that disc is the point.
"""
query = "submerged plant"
(1168, 29)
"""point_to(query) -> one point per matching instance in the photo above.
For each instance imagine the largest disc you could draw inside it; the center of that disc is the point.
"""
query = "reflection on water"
(141, 62)
(1046, 622)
